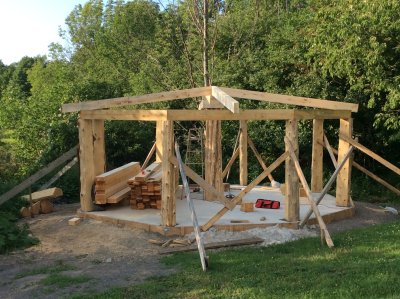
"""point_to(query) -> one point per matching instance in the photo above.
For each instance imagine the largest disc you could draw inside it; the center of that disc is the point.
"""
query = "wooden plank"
(74, 221)
(291, 100)
(99, 151)
(151, 169)
(225, 99)
(230, 162)
(203, 184)
(324, 230)
(372, 175)
(189, 115)
(44, 194)
(134, 100)
(370, 153)
(258, 156)
(246, 190)
(185, 185)
(292, 201)
(38, 175)
(168, 199)
(118, 175)
(317, 163)
(243, 168)
(87, 175)
(149, 155)
(327, 186)
(120, 195)
(59, 174)
(343, 184)
(215, 245)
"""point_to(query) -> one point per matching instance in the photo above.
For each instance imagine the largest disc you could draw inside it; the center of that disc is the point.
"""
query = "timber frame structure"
(218, 104)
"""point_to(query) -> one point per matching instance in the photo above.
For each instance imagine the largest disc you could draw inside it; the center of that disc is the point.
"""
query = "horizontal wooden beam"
(225, 99)
(291, 100)
(188, 115)
(142, 99)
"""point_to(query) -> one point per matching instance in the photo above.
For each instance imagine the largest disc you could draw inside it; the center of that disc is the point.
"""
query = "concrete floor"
(206, 209)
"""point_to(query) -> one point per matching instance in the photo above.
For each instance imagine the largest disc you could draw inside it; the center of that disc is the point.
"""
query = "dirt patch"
(109, 256)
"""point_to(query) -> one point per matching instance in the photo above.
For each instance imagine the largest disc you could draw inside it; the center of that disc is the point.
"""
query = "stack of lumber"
(112, 186)
(40, 202)
(146, 188)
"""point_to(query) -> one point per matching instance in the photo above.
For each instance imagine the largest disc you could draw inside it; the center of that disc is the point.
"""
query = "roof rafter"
(291, 100)
(142, 99)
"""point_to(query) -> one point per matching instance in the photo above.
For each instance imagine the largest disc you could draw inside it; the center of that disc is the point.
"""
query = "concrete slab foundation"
(150, 219)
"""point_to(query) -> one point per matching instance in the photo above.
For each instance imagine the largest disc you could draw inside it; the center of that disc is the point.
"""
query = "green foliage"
(363, 264)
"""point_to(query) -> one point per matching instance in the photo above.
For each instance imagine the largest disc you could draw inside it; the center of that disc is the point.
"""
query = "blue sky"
(27, 27)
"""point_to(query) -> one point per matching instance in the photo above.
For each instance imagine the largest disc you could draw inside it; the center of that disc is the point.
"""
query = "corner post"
(168, 199)
(317, 156)
(243, 153)
(213, 157)
(343, 181)
(159, 125)
(87, 169)
(291, 201)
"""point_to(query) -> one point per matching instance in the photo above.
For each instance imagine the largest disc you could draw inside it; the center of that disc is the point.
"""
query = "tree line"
(338, 50)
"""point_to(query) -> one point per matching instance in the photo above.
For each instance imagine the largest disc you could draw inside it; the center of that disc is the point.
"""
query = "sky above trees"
(28, 27)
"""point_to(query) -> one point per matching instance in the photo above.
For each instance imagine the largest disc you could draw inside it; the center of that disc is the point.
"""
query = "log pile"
(112, 186)
(40, 202)
(146, 188)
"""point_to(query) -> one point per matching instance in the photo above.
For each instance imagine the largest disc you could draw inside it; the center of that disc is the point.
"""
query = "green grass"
(364, 264)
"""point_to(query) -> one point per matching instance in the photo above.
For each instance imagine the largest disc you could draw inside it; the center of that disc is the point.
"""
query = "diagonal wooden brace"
(246, 190)
(203, 184)
(328, 185)
(322, 225)
(258, 156)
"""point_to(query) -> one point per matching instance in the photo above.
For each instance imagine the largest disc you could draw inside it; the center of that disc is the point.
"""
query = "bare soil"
(109, 256)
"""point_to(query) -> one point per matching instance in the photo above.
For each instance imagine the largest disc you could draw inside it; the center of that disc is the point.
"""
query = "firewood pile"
(146, 188)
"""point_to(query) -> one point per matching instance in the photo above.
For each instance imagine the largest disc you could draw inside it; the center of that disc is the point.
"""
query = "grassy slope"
(364, 264)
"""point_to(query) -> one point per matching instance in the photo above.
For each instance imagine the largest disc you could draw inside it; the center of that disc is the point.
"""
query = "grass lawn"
(364, 264)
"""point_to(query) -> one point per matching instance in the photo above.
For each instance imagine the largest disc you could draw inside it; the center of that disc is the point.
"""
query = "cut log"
(46, 206)
(117, 197)
(35, 208)
(25, 212)
(44, 194)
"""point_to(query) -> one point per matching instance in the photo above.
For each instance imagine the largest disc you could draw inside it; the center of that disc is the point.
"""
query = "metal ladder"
(194, 157)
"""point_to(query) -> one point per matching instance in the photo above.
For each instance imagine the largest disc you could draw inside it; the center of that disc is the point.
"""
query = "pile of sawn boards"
(146, 188)
(141, 187)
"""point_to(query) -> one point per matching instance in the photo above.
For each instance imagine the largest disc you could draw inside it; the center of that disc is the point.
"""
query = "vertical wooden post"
(243, 153)
(317, 163)
(343, 182)
(168, 200)
(213, 156)
(87, 173)
(291, 202)
(99, 152)
(159, 125)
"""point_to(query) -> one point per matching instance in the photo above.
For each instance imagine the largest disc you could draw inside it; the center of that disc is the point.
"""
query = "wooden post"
(99, 152)
(243, 153)
(343, 182)
(87, 169)
(213, 157)
(317, 156)
(291, 202)
(168, 200)
(159, 140)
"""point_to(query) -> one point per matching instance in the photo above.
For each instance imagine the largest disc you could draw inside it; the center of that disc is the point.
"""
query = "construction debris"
(74, 221)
